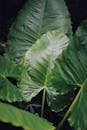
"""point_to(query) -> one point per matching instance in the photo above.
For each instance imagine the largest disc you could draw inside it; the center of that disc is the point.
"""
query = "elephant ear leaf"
(20, 118)
(35, 19)
(72, 68)
(8, 91)
(78, 117)
(37, 74)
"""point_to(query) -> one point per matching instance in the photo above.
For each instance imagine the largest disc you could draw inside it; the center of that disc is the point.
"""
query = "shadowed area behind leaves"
(10, 8)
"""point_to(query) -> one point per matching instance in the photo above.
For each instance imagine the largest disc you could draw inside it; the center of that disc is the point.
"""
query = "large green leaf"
(39, 65)
(20, 118)
(72, 68)
(37, 17)
(78, 115)
(8, 91)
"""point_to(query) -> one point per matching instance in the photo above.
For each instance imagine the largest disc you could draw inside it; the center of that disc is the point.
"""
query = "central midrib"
(45, 88)
(42, 18)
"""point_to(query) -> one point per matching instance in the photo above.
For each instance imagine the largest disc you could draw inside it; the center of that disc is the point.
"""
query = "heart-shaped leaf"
(39, 65)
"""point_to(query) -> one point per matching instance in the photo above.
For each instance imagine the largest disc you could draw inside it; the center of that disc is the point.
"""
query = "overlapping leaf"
(8, 91)
(20, 118)
(72, 68)
(37, 17)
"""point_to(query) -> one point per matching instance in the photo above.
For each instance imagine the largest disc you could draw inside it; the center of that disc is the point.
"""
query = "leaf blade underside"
(21, 118)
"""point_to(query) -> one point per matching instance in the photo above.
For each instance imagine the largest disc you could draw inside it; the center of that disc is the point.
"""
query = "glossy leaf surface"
(36, 18)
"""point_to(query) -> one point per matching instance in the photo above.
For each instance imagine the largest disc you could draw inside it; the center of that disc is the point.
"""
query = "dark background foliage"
(9, 9)
(8, 12)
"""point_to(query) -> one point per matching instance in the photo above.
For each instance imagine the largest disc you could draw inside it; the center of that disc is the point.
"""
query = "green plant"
(43, 55)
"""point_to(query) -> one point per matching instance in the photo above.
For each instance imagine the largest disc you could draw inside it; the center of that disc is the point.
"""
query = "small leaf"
(7, 67)
(20, 118)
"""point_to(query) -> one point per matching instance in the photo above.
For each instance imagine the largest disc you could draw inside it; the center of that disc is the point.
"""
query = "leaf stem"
(69, 110)
(43, 102)
(44, 91)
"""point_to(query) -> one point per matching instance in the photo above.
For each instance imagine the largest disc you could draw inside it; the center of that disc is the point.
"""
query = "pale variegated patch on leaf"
(38, 72)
